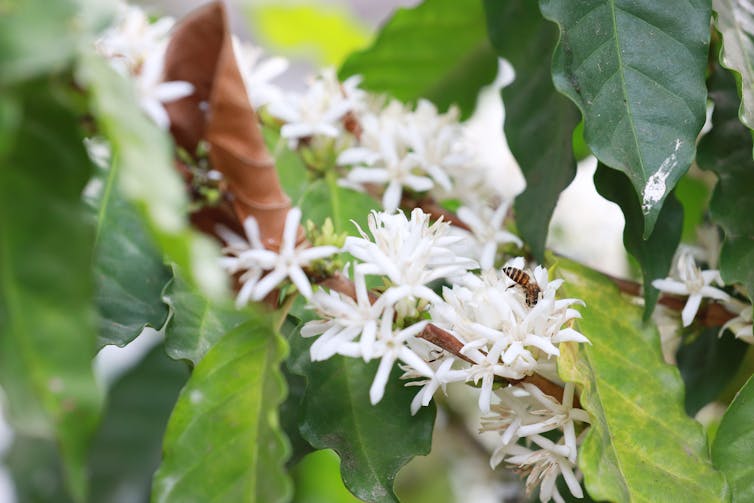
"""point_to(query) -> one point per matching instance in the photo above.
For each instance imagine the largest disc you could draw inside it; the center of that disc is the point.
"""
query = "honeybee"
(531, 288)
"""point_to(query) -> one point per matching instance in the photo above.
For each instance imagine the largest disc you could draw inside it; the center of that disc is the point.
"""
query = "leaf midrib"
(622, 75)
(356, 419)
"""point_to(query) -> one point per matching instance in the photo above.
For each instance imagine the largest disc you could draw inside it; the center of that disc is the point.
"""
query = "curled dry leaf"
(219, 112)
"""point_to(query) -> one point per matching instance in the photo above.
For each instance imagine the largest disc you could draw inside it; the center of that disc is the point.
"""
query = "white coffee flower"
(692, 282)
(258, 73)
(506, 417)
(286, 263)
(152, 92)
(544, 466)
(238, 260)
(391, 346)
(320, 111)
(503, 335)
(343, 321)
(487, 230)
(442, 374)
(411, 253)
(555, 415)
(133, 38)
(383, 157)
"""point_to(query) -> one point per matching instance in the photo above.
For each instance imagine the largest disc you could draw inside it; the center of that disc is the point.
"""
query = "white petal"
(292, 220)
(570, 480)
(156, 112)
(357, 155)
(315, 327)
(368, 175)
(296, 130)
(392, 197)
(244, 294)
(418, 183)
(485, 394)
(412, 359)
(299, 278)
(268, 283)
(309, 254)
(171, 91)
(251, 228)
(714, 293)
(690, 309)
(671, 286)
(568, 334)
(377, 390)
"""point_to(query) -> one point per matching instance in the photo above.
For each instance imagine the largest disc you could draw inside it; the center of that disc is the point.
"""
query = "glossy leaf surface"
(727, 150)
(128, 446)
(636, 70)
(736, 26)
(47, 321)
(707, 364)
(223, 441)
(197, 322)
(539, 121)
(655, 254)
(437, 50)
(734, 444)
(641, 445)
(373, 441)
(128, 268)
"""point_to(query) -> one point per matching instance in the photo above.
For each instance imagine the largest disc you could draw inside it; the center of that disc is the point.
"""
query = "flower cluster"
(498, 335)
(432, 314)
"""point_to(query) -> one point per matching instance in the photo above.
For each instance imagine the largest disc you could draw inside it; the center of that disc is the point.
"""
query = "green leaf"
(317, 479)
(734, 444)
(534, 111)
(197, 322)
(655, 255)
(147, 178)
(36, 37)
(373, 441)
(291, 410)
(694, 195)
(324, 198)
(641, 445)
(294, 177)
(223, 442)
(47, 322)
(734, 22)
(35, 466)
(636, 71)
(707, 364)
(128, 446)
(727, 150)
(437, 50)
(128, 269)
